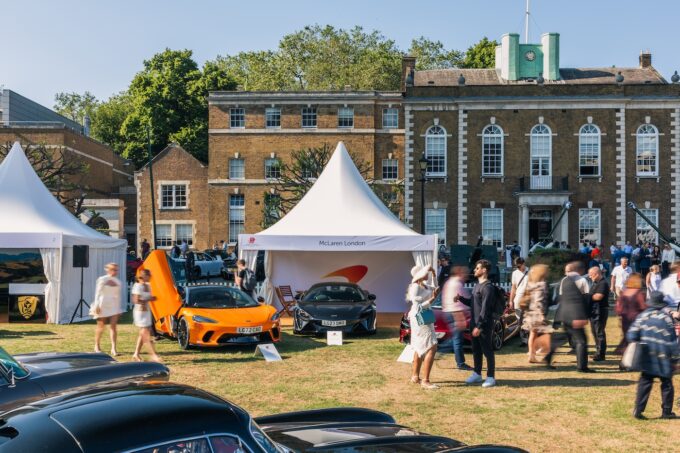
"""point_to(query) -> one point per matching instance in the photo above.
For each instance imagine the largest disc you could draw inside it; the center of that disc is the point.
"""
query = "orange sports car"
(207, 315)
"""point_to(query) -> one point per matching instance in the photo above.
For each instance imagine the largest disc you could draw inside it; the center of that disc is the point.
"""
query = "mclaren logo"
(27, 305)
(353, 274)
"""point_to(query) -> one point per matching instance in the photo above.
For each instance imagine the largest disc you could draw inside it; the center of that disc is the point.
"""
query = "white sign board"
(334, 338)
(268, 351)
(406, 355)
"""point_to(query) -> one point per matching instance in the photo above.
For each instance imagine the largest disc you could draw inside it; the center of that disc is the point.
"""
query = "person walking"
(670, 286)
(620, 275)
(481, 323)
(423, 337)
(653, 279)
(654, 328)
(455, 305)
(599, 312)
(535, 299)
(184, 247)
(629, 304)
(141, 315)
(667, 259)
(245, 278)
(107, 306)
(519, 282)
(146, 247)
(443, 270)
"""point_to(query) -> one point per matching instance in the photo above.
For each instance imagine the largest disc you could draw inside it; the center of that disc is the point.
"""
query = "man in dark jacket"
(654, 328)
(599, 311)
(443, 271)
(481, 323)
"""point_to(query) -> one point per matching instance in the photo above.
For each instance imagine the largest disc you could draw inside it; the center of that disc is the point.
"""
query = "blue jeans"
(456, 339)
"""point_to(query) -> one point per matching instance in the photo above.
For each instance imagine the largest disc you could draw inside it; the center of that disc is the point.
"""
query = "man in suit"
(443, 271)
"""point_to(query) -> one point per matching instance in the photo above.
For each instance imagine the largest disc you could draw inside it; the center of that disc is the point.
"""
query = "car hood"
(45, 363)
(334, 310)
(243, 317)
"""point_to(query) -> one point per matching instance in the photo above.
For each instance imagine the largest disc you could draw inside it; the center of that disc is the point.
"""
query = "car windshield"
(335, 292)
(219, 298)
(8, 363)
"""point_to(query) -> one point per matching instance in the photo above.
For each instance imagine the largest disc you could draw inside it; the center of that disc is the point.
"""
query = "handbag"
(424, 316)
(634, 355)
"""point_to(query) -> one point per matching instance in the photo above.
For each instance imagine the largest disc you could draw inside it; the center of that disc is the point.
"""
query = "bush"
(556, 259)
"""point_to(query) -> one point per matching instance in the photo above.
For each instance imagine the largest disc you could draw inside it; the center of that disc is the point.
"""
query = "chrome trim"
(204, 436)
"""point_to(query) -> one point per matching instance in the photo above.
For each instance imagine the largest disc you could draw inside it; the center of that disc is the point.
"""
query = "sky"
(51, 46)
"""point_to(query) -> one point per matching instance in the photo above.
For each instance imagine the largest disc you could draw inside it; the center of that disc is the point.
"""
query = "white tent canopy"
(340, 228)
(34, 218)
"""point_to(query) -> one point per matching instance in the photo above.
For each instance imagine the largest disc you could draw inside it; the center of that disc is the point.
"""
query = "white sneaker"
(474, 379)
(490, 382)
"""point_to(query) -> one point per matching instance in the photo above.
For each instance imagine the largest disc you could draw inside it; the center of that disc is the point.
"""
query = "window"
(237, 216)
(346, 117)
(272, 168)
(309, 117)
(184, 232)
(237, 118)
(435, 223)
(589, 151)
(163, 235)
(541, 157)
(237, 169)
(492, 227)
(390, 118)
(644, 232)
(272, 117)
(390, 169)
(196, 445)
(492, 151)
(647, 150)
(589, 226)
(173, 196)
(435, 151)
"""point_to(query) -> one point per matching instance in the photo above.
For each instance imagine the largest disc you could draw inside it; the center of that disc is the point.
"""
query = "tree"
(76, 106)
(432, 55)
(108, 119)
(257, 71)
(481, 55)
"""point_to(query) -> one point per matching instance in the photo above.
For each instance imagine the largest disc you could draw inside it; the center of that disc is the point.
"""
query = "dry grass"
(532, 408)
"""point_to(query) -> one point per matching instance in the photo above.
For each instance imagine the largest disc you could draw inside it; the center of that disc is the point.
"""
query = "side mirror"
(371, 297)
(298, 296)
(12, 380)
(260, 300)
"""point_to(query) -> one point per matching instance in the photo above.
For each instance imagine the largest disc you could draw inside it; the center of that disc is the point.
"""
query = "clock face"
(530, 55)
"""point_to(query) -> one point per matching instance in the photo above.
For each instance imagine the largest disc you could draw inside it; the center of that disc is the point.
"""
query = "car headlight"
(203, 319)
(276, 316)
(302, 313)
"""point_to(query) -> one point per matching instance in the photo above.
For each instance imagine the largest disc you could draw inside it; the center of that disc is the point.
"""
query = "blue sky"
(76, 45)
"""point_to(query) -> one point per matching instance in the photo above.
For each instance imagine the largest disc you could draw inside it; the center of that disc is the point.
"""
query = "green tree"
(257, 71)
(76, 106)
(481, 55)
(108, 119)
(432, 55)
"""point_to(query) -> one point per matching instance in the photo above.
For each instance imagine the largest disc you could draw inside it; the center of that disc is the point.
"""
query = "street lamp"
(422, 163)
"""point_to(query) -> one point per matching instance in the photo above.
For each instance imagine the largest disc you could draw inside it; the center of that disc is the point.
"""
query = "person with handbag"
(421, 319)
(483, 296)
(107, 306)
(141, 314)
(654, 329)
(533, 304)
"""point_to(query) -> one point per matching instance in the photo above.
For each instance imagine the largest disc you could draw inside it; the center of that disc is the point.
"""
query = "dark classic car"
(503, 329)
(334, 306)
(29, 377)
(164, 418)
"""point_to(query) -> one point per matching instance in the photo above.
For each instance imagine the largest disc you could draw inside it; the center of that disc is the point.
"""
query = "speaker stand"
(81, 302)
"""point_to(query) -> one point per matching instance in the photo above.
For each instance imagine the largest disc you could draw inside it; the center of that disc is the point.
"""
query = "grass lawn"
(532, 407)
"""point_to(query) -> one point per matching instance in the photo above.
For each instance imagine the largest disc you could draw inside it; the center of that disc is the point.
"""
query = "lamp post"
(153, 198)
(422, 163)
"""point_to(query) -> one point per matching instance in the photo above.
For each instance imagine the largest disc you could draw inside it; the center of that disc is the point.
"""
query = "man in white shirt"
(667, 258)
(453, 295)
(519, 281)
(620, 275)
(670, 287)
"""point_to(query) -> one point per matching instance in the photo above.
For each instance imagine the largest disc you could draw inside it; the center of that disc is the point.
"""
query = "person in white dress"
(423, 338)
(653, 279)
(107, 306)
(141, 314)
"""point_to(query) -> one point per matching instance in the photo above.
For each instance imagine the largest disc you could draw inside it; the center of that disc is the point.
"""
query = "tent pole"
(153, 200)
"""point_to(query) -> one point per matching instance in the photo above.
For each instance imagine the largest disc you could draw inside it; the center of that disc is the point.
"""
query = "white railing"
(541, 182)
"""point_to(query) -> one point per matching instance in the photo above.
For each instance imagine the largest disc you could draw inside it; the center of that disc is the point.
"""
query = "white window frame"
(175, 185)
(434, 135)
(439, 230)
(237, 112)
(589, 147)
(390, 113)
(587, 223)
(232, 209)
(489, 230)
(268, 166)
(345, 114)
(390, 164)
(232, 168)
(492, 134)
(166, 237)
(646, 135)
(190, 238)
(275, 114)
(640, 225)
(309, 113)
(173, 237)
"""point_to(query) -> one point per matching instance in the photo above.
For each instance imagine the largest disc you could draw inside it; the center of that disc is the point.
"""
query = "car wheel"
(497, 336)
(183, 334)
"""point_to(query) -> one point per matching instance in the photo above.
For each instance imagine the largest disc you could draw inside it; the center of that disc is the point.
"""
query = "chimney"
(408, 67)
(645, 59)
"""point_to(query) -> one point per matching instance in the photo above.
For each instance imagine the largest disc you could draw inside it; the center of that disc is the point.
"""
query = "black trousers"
(483, 347)
(578, 339)
(598, 325)
(645, 387)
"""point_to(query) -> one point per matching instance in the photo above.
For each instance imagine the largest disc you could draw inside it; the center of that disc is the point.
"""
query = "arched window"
(647, 151)
(541, 157)
(435, 151)
(589, 150)
(492, 151)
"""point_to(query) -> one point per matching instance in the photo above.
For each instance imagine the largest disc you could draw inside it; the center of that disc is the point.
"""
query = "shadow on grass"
(28, 333)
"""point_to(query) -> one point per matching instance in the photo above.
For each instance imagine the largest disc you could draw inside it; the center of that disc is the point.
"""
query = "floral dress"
(423, 338)
(534, 317)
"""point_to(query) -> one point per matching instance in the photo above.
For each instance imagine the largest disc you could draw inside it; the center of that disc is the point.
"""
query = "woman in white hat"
(423, 338)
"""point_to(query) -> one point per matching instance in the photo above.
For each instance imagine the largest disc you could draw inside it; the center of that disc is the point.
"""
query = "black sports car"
(30, 377)
(164, 418)
(335, 306)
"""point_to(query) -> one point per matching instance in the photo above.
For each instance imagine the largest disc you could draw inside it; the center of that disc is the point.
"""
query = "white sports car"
(205, 265)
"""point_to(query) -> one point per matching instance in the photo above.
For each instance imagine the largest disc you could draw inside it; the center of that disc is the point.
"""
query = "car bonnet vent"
(7, 433)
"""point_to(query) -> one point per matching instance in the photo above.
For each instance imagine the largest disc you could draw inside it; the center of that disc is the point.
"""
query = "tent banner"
(337, 243)
(385, 274)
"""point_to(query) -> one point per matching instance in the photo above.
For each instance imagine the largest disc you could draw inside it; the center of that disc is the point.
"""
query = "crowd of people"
(646, 299)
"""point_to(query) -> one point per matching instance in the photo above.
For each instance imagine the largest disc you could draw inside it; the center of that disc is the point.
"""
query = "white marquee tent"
(32, 218)
(341, 230)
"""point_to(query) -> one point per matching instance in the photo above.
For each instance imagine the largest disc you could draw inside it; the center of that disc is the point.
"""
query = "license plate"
(333, 323)
(257, 329)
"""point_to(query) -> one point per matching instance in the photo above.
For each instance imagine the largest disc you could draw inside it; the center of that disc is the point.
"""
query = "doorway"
(540, 224)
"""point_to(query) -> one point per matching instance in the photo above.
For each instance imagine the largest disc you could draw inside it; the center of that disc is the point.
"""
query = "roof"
(162, 153)
(569, 76)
